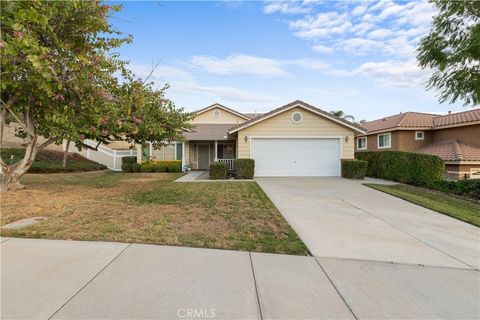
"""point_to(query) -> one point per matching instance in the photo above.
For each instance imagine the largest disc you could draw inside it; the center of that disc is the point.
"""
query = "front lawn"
(150, 208)
(50, 161)
(460, 209)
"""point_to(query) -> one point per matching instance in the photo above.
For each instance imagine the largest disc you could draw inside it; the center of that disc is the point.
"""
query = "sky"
(252, 56)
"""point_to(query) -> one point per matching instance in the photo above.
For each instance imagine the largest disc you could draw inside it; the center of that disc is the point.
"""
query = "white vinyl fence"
(109, 157)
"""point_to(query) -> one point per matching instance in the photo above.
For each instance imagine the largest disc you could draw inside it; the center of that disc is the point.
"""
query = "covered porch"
(202, 153)
(208, 143)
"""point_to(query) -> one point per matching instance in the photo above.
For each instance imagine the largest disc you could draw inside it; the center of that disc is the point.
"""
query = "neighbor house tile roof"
(418, 120)
(297, 103)
(456, 118)
(203, 131)
(452, 150)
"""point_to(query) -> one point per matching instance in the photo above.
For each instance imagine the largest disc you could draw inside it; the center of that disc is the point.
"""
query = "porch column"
(184, 163)
(216, 151)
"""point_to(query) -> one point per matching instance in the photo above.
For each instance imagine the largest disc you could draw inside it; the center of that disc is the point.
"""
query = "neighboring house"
(454, 137)
(297, 139)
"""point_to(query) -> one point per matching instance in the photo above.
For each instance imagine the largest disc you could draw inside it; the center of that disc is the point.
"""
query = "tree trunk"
(10, 174)
(65, 155)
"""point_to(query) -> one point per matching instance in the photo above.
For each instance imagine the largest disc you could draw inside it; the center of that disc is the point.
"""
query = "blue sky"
(354, 56)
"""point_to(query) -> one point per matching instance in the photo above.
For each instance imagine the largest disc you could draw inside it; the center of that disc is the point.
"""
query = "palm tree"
(341, 114)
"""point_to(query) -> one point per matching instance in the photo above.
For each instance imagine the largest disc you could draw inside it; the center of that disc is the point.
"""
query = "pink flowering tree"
(60, 81)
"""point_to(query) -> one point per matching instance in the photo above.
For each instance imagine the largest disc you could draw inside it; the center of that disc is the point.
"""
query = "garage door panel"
(296, 157)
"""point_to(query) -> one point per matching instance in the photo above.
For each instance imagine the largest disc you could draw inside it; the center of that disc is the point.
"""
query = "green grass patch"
(464, 210)
(150, 208)
(49, 161)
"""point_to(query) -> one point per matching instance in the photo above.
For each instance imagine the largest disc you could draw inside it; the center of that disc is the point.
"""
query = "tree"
(61, 81)
(341, 114)
(452, 50)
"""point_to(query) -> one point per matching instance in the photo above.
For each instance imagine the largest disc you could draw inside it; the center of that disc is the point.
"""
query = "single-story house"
(454, 137)
(296, 139)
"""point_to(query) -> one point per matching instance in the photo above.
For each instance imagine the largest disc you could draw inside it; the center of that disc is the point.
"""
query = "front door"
(203, 156)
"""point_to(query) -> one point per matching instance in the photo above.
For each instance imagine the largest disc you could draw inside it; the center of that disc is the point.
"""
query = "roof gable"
(218, 105)
(300, 104)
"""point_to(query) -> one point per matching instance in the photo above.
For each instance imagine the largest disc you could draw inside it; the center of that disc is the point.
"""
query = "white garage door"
(296, 157)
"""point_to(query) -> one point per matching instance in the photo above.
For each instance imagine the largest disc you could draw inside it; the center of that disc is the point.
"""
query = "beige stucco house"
(296, 139)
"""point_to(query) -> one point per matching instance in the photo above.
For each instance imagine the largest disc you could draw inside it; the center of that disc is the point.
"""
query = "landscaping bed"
(461, 209)
(150, 208)
(49, 161)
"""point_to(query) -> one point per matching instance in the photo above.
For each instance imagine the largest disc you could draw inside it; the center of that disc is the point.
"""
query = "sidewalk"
(79, 279)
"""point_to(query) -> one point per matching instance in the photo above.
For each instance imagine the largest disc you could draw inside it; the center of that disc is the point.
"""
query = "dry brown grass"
(149, 208)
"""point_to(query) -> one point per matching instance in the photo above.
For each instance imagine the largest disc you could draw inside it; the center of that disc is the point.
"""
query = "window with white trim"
(362, 143)
(384, 140)
(419, 135)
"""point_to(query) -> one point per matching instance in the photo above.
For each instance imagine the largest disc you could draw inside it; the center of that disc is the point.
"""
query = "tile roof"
(204, 131)
(452, 150)
(456, 118)
(410, 120)
(299, 103)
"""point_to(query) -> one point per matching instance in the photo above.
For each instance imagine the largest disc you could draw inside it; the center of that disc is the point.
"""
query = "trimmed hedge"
(406, 167)
(218, 170)
(354, 169)
(244, 168)
(146, 167)
(157, 166)
(465, 188)
(129, 159)
(136, 167)
(127, 167)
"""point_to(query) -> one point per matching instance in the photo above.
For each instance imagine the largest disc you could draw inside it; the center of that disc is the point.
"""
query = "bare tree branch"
(47, 143)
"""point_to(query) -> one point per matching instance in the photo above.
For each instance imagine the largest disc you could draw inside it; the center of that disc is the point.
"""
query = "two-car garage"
(296, 157)
(296, 140)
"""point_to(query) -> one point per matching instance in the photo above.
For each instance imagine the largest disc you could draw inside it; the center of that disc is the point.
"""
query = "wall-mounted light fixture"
(346, 138)
(246, 139)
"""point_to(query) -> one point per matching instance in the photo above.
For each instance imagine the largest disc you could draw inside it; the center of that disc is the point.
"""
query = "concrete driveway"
(339, 218)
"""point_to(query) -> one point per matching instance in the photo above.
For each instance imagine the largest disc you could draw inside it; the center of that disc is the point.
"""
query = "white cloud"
(322, 49)
(349, 25)
(285, 7)
(239, 64)
(182, 83)
(394, 73)
(379, 33)
(220, 92)
(258, 66)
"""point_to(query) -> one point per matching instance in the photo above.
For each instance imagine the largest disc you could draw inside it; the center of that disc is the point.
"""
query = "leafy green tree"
(452, 50)
(61, 81)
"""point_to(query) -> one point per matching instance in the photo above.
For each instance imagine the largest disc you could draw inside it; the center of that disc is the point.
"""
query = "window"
(216, 113)
(225, 151)
(384, 140)
(362, 143)
(419, 135)
(297, 117)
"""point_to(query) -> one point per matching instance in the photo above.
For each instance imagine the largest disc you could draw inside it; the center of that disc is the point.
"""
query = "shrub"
(406, 167)
(159, 166)
(136, 167)
(129, 159)
(245, 168)
(175, 167)
(218, 170)
(127, 166)
(466, 188)
(354, 169)
(146, 167)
